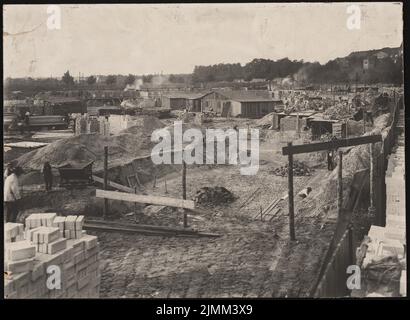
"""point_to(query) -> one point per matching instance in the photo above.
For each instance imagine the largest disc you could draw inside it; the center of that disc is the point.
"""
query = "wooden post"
(155, 182)
(184, 191)
(290, 196)
(364, 120)
(372, 209)
(105, 180)
(347, 128)
(165, 182)
(297, 124)
(340, 185)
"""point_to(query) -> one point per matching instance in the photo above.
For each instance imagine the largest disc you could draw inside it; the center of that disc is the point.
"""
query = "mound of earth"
(85, 148)
(130, 143)
(144, 125)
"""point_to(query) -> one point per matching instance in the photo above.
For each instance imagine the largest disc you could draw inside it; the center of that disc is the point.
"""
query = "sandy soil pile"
(130, 143)
(144, 125)
(266, 121)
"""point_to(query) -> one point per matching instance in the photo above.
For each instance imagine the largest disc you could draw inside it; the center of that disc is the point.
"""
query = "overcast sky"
(142, 39)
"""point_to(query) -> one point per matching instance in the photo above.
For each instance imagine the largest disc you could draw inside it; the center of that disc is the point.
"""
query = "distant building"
(54, 105)
(240, 103)
(184, 100)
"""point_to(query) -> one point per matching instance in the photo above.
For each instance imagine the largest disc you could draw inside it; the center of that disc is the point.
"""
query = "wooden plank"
(164, 201)
(321, 146)
(273, 215)
(271, 206)
(114, 185)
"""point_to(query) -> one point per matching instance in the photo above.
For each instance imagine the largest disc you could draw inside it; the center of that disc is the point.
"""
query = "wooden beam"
(321, 146)
(156, 200)
(114, 184)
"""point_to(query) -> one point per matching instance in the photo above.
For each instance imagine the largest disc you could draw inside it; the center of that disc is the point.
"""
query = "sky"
(170, 38)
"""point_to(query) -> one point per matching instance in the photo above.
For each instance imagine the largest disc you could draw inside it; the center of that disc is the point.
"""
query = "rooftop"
(186, 95)
(247, 95)
(57, 100)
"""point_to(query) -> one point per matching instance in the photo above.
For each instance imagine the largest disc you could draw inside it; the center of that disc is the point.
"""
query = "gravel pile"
(213, 196)
(299, 169)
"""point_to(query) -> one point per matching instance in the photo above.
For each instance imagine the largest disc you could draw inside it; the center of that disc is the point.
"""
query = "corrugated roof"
(247, 95)
(186, 95)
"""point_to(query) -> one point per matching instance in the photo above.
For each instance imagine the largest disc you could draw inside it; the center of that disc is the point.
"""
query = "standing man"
(330, 160)
(48, 175)
(12, 194)
(27, 121)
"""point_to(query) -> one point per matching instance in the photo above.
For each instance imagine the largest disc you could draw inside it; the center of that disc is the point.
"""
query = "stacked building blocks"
(13, 232)
(73, 227)
(45, 253)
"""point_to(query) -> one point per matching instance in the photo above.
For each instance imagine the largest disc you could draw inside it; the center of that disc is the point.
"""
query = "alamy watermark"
(201, 149)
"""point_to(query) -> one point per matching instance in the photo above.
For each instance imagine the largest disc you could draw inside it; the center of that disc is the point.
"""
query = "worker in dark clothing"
(330, 160)
(27, 120)
(48, 175)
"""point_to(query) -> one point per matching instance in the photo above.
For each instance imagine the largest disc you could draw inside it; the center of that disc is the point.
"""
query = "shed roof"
(306, 113)
(186, 95)
(247, 95)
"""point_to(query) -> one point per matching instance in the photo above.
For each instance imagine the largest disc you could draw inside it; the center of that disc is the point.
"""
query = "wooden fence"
(333, 282)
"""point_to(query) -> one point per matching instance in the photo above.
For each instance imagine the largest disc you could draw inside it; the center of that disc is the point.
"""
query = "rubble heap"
(50, 246)
(338, 112)
(213, 196)
(299, 169)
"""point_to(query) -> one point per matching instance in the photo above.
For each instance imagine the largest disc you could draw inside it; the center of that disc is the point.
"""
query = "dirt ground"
(252, 258)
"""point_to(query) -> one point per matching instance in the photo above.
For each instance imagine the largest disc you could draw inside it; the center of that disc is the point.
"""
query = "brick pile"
(39, 252)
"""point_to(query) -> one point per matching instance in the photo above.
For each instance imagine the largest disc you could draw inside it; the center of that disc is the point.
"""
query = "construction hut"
(184, 100)
(319, 126)
(288, 121)
(241, 103)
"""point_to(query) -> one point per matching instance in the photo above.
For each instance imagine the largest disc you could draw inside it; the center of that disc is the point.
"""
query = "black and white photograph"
(204, 150)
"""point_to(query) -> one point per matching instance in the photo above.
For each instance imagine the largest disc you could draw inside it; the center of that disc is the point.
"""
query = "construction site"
(328, 192)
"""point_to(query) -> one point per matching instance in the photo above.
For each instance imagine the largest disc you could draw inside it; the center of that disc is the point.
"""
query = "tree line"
(341, 70)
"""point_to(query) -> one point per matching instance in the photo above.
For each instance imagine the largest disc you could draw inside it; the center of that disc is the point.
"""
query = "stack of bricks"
(13, 232)
(42, 263)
